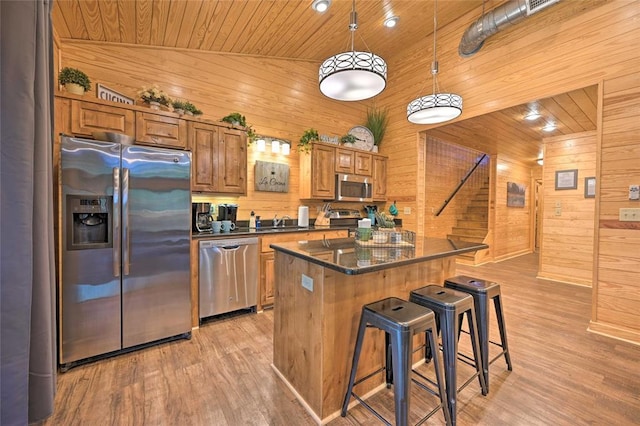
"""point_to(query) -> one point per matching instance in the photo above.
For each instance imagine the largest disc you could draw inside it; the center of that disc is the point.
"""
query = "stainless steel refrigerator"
(126, 221)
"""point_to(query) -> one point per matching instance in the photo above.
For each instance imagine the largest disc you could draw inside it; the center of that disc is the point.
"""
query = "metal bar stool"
(483, 292)
(450, 306)
(400, 320)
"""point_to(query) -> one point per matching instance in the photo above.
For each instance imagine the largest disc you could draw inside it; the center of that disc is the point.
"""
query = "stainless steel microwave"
(353, 188)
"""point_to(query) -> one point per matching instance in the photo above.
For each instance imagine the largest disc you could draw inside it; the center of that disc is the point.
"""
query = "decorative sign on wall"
(330, 139)
(271, 177)
(111, 95)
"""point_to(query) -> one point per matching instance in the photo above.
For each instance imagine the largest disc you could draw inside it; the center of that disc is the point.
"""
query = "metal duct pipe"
(502, 16)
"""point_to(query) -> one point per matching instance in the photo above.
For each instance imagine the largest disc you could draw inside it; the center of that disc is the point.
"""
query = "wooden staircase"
(474, 223)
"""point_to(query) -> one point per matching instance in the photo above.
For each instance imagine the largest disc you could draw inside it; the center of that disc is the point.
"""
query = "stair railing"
(461, 184)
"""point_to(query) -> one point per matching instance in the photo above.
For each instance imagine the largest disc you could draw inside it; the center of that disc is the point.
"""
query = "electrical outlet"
(407, 210)
(307, 282)
(629, 215)
(558, 211)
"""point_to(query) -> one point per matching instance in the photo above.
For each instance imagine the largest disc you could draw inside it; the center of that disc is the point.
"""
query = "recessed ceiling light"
(321, 5)
(532, 115)
(391, 22)
(549, 127)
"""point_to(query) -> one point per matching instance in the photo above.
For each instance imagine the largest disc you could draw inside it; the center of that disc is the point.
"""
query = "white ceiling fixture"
(438, 107)
(320, 5)
(391, 22)
(549, 127)
(354, 75)
(532, 115)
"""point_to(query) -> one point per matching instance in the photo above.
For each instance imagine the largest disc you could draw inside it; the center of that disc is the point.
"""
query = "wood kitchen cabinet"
(267, 274)
(353, 162)
(379, 178)
(317, 172)
(88, 117)
(219, 162)
(160, 130)
(363, 164)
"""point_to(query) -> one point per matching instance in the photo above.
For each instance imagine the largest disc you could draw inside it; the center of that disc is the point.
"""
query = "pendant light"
(353, 76)
(438, 107)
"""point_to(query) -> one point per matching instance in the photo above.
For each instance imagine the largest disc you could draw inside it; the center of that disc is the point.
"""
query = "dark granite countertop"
(349, 257)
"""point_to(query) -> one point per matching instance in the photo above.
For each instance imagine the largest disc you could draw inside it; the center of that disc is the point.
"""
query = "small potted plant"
(191, 109)
(178, 106)
(155, 97)
(377, 121)
(309, 135)
(74, 81)
(238, 119)
(348, 139)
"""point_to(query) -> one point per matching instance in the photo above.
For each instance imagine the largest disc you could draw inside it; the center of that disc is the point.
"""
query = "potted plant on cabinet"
(238, 119)
(178, 106)
(309, 136)
(348, 140)
(155, 97)
(74, 81)
(377, 121)
(191, 109)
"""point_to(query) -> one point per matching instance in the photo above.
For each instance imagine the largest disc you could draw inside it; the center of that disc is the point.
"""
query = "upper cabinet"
(317, 175)
(160, 130)
(379, 178)
(88, 117)
(319, 167)
(219, 161)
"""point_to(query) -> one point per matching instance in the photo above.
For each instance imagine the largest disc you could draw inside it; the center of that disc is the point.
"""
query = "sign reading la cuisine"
(271, 177)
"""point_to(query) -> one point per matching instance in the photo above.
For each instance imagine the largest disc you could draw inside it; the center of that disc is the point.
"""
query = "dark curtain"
(27, 271)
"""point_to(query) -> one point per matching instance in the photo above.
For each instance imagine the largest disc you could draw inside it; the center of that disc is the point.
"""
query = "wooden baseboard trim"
(618, 333)
(299, 397)
(562, 279)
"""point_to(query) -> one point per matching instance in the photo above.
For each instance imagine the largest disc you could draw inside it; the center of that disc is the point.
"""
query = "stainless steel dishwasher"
(228, 275)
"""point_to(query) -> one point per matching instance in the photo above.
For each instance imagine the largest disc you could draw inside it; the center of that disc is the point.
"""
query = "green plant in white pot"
(377, 121)
(74, 81)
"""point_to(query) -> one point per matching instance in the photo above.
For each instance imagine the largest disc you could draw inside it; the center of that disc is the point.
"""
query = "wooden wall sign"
(271, 177)
(111, 95)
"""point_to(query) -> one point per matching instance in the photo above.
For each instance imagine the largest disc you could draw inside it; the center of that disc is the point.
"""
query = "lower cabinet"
(267, 279)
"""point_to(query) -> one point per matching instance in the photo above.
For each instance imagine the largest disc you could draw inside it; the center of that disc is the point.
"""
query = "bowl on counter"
(379, 237)
(120, 138)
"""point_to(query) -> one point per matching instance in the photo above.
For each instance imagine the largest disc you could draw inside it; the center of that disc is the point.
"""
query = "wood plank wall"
(512, 225)
(566, 252)
(280, 98)
(616, 290)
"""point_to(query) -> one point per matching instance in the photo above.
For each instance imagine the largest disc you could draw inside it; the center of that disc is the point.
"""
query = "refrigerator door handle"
(116, 222)
(125, 221)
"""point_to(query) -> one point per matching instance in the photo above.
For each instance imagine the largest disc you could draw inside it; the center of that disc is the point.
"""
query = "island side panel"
(344, 296)
(297, 336)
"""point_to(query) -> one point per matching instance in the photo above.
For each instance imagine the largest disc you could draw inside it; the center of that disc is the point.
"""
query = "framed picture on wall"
(566, 179)
(515, 194)
(590, 187)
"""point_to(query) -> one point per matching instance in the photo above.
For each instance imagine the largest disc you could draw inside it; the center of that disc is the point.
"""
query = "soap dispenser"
(252, 220)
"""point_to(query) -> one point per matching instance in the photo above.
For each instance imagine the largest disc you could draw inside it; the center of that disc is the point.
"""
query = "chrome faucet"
(280, 222)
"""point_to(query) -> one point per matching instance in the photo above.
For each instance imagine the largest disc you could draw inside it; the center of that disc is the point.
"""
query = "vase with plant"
(191, 109)
(309, 136)
(74, 81)
(238, 119)
(155, 97)
(178, 106)
(348, 139)
(377, 121)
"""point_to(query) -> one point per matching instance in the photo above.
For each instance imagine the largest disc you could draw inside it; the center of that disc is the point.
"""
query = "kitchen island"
(321, 287)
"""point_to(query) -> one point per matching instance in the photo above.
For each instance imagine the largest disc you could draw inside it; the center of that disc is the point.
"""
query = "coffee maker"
(201, 217)
(227, 212)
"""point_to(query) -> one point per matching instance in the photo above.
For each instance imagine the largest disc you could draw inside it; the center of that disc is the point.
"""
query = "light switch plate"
(407, 210)
(634, 192)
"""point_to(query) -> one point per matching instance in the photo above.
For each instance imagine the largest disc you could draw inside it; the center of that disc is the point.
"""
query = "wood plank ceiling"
(291, 29)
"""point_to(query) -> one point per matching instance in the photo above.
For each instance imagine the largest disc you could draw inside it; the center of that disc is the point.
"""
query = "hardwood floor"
(562, 375)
